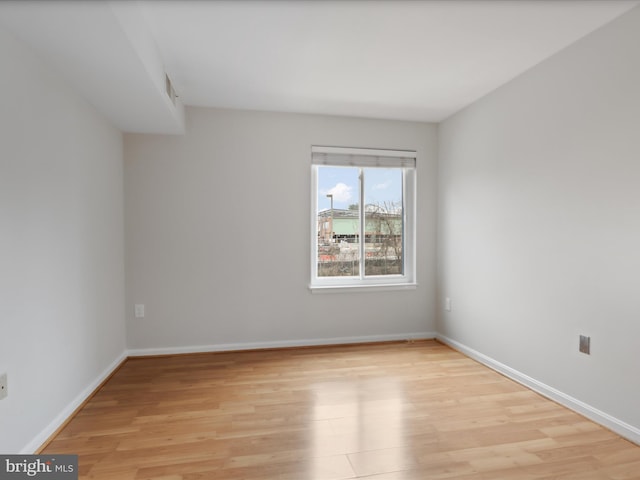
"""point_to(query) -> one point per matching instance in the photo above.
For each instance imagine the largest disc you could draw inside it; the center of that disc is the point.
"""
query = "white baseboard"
(225, 347)
(62, 417)
(616, 425)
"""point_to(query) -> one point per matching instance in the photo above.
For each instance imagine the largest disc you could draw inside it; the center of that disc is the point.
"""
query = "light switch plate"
(139, 309)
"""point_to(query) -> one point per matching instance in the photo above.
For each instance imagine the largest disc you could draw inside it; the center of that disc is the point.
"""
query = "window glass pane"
(384, 229)
(338, 222)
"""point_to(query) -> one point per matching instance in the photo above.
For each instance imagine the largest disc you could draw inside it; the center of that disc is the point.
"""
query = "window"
(363, 218)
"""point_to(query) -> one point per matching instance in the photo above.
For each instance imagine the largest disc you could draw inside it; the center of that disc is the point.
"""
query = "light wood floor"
(394, 411)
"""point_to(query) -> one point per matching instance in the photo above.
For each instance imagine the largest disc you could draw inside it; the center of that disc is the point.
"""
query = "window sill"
(315, 289)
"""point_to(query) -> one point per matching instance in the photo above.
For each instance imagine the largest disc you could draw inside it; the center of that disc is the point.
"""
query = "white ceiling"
(408, 60)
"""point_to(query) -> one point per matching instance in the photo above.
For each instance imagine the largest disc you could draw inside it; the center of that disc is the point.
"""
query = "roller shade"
(362, 157)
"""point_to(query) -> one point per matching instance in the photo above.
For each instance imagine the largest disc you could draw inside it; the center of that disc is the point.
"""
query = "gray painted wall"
(61, 247)
(218, 233)
(539, 221)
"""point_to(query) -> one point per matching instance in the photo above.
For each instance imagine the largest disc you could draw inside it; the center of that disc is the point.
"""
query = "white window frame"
(367, 158)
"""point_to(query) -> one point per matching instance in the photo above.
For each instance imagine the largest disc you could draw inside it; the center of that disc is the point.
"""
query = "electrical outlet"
(447, 304)
(139, 310)
(585, 344)
(4, 391)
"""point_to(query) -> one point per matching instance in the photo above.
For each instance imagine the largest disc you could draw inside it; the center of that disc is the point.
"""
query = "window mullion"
(362, 223)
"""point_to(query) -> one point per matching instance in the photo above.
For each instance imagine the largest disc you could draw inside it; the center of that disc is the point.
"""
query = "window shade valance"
(362, 157)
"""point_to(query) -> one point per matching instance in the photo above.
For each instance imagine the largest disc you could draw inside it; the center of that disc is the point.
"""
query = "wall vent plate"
(585, 344)
(171, 92)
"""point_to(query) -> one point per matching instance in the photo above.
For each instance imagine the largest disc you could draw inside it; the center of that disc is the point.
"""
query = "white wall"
(61, 247)
(539, 221)
(217, 233)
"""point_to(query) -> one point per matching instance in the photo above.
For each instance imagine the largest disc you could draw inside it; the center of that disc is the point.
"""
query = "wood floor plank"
(391, 411)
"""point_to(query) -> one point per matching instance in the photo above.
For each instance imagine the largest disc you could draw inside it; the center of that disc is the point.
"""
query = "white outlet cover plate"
(4, 391)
